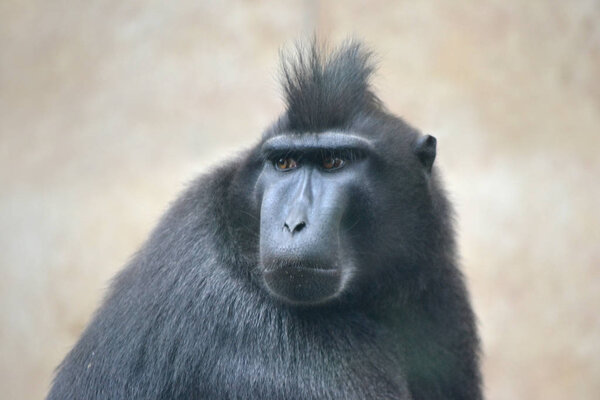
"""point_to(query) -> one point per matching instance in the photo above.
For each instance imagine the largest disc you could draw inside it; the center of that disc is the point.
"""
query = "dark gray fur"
(188, 317)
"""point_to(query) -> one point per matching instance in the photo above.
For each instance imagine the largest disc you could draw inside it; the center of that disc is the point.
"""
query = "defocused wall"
(108, 108)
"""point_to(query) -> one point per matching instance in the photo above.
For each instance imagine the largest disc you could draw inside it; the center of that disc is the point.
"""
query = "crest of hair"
(326, 90)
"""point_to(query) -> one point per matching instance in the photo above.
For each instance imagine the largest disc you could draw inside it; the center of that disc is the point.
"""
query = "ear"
(425, 150)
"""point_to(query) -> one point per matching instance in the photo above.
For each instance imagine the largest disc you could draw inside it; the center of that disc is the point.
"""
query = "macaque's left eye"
(331, 163)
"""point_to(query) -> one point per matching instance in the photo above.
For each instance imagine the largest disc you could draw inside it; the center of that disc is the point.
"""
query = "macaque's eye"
(331, 163)
(286, 164)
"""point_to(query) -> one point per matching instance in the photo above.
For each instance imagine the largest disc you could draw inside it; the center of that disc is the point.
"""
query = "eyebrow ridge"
(329, 140)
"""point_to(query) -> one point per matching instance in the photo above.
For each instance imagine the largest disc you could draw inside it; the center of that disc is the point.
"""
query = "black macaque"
(320, 264)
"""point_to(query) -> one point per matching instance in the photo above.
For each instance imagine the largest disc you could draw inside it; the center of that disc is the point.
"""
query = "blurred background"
(108, 109)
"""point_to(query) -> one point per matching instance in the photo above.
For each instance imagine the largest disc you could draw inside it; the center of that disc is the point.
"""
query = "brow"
(316, 141)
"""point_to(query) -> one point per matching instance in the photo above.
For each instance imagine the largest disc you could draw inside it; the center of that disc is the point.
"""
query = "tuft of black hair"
(327, 90)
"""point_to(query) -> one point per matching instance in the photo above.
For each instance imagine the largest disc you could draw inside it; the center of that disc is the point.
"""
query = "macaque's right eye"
(286, 164)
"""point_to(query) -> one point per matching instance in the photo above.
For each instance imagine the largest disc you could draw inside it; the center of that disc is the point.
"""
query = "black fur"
(189, 317)
(327, 91)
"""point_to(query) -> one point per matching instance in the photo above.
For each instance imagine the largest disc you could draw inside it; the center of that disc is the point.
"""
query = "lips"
(301, 284)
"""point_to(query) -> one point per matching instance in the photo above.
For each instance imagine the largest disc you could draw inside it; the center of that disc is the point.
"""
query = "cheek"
(272, 204)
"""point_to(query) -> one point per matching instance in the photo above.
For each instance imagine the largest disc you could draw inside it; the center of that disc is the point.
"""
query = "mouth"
(298, 284)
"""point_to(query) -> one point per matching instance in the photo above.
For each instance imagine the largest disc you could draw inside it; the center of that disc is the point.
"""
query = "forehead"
(324, 140)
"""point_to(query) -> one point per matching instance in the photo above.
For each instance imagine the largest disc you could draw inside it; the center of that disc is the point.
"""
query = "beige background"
(107, 110)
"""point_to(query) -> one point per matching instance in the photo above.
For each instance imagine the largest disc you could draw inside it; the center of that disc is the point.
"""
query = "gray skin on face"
(305, 213)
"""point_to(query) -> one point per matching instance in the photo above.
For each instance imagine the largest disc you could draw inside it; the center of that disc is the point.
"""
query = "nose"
(297, 218)
(294, 226)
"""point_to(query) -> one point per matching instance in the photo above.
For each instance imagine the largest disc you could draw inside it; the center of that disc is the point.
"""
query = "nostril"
(299, 227)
